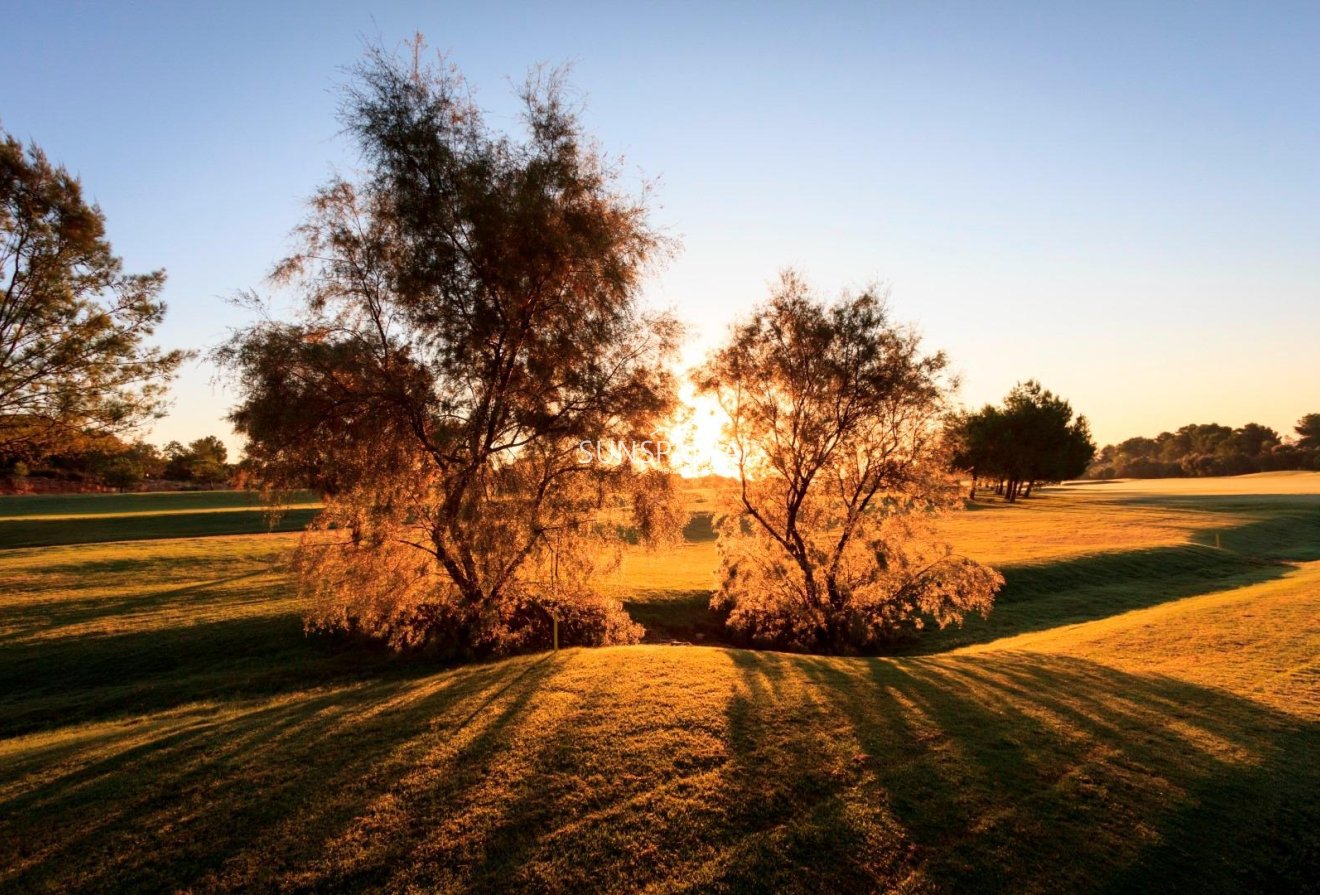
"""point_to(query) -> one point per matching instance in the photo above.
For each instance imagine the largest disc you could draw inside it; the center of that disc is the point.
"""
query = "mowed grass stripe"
(165, 725)
(28, 505)
(95, 529)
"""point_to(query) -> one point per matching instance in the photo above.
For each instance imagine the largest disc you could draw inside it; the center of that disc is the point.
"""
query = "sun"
(698, 443)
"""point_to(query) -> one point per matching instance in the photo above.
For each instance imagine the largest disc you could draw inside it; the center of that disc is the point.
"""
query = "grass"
(151, 502)
(1219, 546)
(97, 529)
(57, 519)
(1141, 712)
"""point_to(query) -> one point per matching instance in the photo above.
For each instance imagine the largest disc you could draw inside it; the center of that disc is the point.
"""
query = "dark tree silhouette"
(1308, 431)
(1211, 449)
(202, 461)
(1034, 438)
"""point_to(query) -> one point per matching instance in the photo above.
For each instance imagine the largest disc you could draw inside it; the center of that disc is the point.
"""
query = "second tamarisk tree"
(835, 419)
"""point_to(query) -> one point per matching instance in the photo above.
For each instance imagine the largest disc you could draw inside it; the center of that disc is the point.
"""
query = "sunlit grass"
(1058, 524)
(1261, 641)
(1140, 713)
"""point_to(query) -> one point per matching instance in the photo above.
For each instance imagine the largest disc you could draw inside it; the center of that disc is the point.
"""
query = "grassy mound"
(1142, 712)
(694, 769)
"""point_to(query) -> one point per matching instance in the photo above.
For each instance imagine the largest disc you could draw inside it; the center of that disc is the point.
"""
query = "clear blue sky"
(1122, 200)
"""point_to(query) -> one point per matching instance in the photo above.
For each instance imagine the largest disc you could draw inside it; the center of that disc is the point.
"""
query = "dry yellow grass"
(1261, 642)
(1058, 524)
(166, 726)
(1292, 482)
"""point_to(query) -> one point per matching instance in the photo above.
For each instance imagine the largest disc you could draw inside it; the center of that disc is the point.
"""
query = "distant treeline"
(94, 462)
(1211, 449)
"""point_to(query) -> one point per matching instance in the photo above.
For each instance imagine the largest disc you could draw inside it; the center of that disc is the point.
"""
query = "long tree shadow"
(1034, 773)
(60, 681)
(20, 622)
(720, 771)
(211, 803)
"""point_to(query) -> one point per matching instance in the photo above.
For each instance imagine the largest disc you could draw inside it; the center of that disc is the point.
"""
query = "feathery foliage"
(470, 317)
(834, 415)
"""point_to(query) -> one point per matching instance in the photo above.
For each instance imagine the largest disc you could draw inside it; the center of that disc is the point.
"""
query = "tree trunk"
(836, 623)
(971, 494)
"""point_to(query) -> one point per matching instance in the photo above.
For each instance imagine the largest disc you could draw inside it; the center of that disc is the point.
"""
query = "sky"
(1119, 200)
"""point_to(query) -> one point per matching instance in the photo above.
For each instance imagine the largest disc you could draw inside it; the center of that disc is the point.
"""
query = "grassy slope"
(167, 726)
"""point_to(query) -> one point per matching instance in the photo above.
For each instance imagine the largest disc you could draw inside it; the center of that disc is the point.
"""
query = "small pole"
(1217, 540)
(554, 576)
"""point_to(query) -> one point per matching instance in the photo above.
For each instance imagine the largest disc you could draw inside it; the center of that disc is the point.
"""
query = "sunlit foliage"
(74, 363)
(469, 318)
(834, 414)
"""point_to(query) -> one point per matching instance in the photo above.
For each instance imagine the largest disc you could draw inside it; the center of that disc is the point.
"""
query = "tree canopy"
(833, 413)
(74, 360)
(1032, 438)
(1308, 431)
(470, 317)
(202, 461)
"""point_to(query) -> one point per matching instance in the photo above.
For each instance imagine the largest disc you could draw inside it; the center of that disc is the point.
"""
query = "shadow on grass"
(211, 800)
(13, 505)
(700, 527)
(683, 616)
(53, 682)
(1029, 773)
(1023, 774)
(1046, 595)
(20, 621)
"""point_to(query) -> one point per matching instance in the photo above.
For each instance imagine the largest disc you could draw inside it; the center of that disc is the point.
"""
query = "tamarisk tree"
(469, 317)
(834, 421)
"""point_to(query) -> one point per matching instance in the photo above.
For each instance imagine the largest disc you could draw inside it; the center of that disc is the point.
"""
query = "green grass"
(26, 505)
(53, 520)
(1257, 543)
(1140, 713)
(142, 526)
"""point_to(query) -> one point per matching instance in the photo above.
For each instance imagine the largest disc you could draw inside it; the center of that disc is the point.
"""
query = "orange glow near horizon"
(698, 440)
